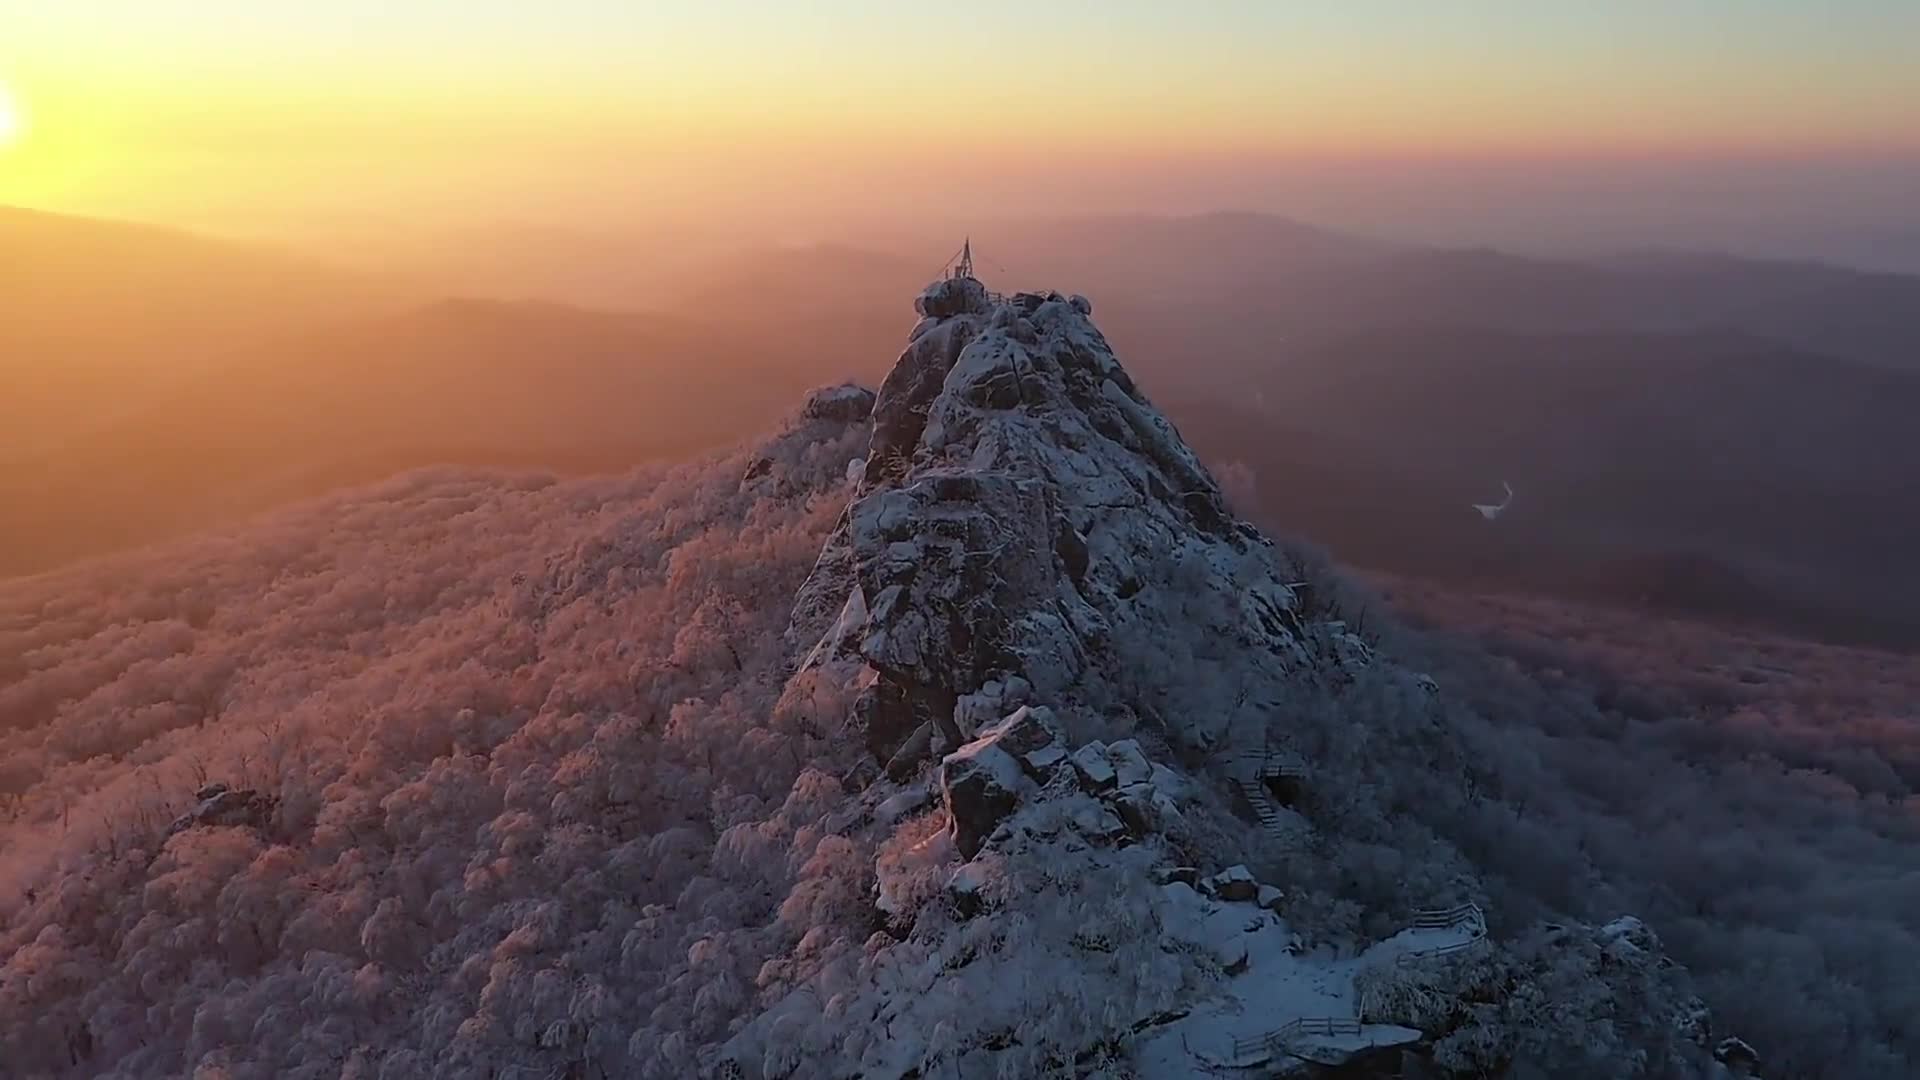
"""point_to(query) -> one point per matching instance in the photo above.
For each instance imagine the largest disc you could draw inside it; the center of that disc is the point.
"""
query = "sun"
(13, 122)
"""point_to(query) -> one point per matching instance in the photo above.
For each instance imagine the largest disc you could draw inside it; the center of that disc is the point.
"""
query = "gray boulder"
(952, 296)
(847, 403)
(224, 807)
(981, 785)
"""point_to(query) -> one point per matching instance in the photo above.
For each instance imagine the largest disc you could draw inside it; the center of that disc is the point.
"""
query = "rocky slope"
(1085, 690)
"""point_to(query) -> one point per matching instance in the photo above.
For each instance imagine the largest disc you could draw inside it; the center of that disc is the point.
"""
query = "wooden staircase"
(1251, 773)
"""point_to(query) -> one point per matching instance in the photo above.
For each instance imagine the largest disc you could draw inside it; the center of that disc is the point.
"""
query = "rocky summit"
(1105, 771)
(1019, 498)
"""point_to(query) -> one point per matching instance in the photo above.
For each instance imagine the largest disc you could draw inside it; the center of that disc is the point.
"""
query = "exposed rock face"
(223, 807)
(848, 403)
(1026, 513)
(954, 296)
(1740, 1058)
(982, 784)
(1039, 591)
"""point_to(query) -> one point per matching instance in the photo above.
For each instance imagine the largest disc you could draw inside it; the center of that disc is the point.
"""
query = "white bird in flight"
(1491, 511)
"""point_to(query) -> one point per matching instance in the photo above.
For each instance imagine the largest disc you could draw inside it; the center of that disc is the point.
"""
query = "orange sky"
(212, 111)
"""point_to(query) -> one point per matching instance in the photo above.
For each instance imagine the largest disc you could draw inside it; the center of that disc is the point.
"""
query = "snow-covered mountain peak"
(1025, 516)
(1104, 756)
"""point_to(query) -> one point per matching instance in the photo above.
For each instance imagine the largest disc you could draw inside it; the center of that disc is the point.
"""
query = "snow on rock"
(981, 784)
(1628, 933)
(848, 403)
(1096, 772)
(1026, 730)
(1263, 984)
(1740, 1058)
(1234, 883)
(903, 803)
(837, 641)
(1041, 590)
(1130, 765)
(224, 807)
(1026, 513)
(952, 296)
(984, 780)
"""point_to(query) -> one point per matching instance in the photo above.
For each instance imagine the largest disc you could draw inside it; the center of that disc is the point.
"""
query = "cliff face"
(1070, 658)
(1028, 523)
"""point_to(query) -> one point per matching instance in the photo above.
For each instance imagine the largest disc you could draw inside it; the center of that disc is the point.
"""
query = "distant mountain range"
(1655, 411)
(99, 317)
(1786, 482)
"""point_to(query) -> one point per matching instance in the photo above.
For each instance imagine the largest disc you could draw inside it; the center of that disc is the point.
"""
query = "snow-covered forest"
(534, 797)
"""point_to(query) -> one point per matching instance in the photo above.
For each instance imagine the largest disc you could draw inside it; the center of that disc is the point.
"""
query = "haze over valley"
(1702, 434)
(851, 541)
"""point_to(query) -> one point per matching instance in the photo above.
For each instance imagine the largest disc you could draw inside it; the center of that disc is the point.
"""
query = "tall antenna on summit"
(964, 268)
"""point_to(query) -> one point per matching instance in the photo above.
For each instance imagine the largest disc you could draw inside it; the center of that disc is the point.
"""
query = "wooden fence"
(1275, 1042)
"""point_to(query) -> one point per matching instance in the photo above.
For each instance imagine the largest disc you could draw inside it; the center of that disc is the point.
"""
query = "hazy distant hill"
(1871, 317)
(1694, 430)
(97, 316)
(1217, 297)
(460, 381)
(1704, 472)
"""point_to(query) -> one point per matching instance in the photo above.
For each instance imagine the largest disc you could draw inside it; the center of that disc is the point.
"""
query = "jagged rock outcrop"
(847, 403)
(1055, 633)
(1025, 513)
(223, 807)
(1739, 1058)
(829, 607)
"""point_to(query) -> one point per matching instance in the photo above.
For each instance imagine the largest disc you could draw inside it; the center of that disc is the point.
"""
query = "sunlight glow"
(13, 120)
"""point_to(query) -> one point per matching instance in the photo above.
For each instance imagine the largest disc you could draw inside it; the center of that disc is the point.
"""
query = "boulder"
(917, 749)
(1739, 1056)
(964, 890)
(1026, 730)
(224, 807)
(903, 804)
(883, 714)
(1041, 763)
(1167, 782)
(1235, 883)
(1629, 934)
(1097, 822)
(953, 296)
(1095, 771)
(1350, 652)
(847, 403)
(1269, 897)
(981, 784)
(1185, 875)
(838, 640)
(1130, 765)
(859, 776)
(1136, 809)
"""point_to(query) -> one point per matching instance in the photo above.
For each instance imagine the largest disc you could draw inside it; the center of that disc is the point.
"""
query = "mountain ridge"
(1059, 633)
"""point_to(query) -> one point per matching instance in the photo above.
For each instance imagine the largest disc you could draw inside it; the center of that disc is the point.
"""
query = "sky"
(1582, 115)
